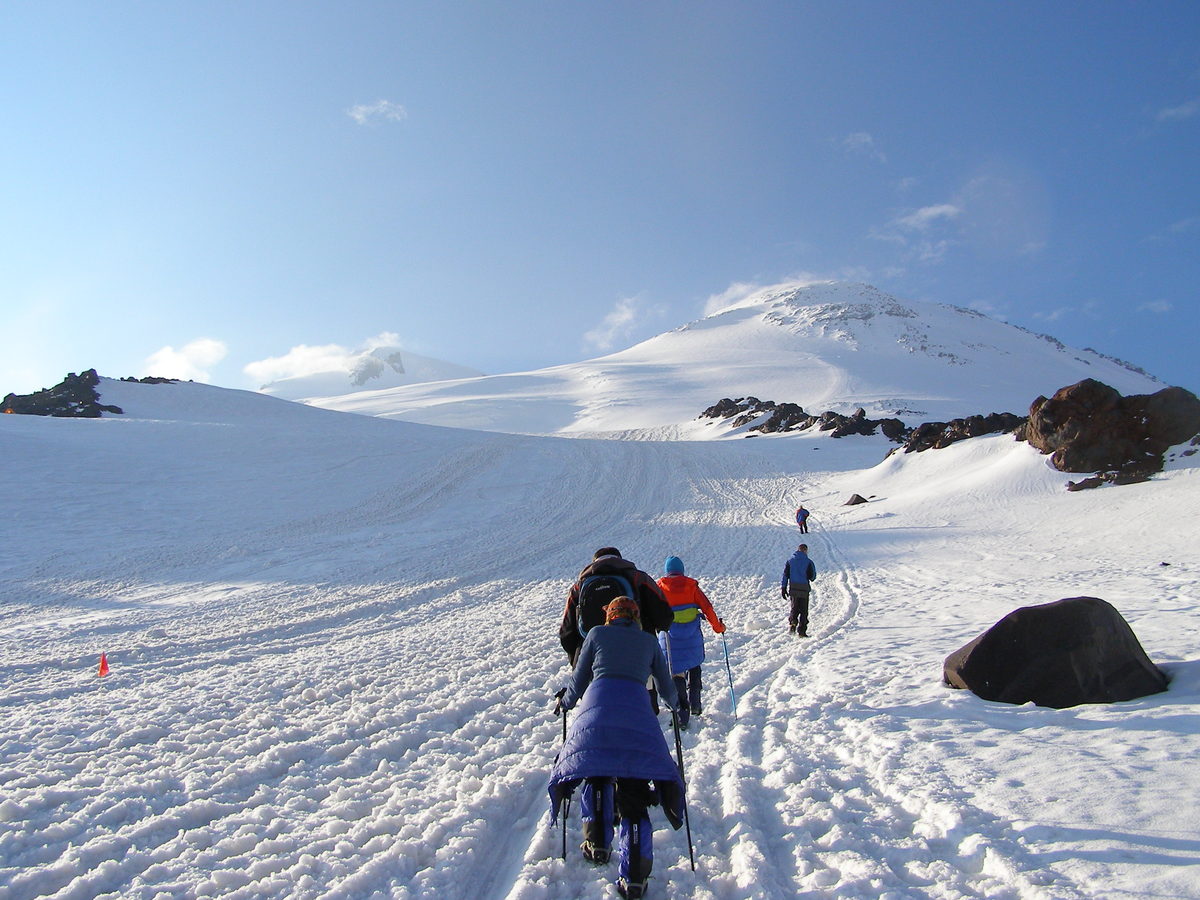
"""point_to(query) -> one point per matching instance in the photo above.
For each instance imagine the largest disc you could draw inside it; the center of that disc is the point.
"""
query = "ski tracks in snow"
(804, 793)
(337, 714)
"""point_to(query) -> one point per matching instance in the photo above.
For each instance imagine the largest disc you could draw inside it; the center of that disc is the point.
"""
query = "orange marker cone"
(103, 666)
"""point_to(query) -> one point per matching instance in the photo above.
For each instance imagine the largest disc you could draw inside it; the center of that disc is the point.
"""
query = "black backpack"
(595, 593)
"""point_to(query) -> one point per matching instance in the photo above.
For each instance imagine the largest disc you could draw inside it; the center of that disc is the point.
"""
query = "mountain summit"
(826, 346)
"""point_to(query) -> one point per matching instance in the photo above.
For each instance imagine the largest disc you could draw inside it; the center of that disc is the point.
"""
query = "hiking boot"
(696, 710)
(594, 853)
(791, 629)
(631, 890)
(802, 633)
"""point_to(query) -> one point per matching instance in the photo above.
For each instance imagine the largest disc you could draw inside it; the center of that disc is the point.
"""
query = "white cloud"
(379, 111)
(617, 325)
(1089, 309)
(304, 359)
(926, 216)
(629, 314)
(300, 360)
(1054, 315)
(1156, 306)
(863, 143)
(735, 293)
(1179, 113)
(189, 363)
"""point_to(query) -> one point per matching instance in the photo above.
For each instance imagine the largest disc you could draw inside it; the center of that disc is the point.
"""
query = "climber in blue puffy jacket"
(615, 746)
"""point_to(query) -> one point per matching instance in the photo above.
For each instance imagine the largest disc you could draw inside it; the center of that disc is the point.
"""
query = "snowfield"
(333, 646)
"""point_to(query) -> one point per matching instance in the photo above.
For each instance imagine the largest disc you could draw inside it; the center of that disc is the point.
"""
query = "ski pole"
(679, 756)
(729, 672)
(565, 812)
(566, 807)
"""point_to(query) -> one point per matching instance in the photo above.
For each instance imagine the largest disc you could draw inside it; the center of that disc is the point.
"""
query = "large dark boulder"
(1090, 427)
(1061, 654)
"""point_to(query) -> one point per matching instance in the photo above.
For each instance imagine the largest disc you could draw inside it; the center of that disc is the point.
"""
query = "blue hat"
(673, 565)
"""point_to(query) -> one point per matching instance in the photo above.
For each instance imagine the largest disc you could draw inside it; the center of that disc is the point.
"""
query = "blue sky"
(193, 188)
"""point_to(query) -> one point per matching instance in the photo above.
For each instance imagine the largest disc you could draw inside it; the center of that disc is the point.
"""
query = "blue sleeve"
(786, 570)
(812, 571)
(663, 680)
(582, 676)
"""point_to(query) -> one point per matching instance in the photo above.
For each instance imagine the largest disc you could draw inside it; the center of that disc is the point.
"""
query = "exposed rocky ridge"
(73, 397)
(788, 417)
(936, 435)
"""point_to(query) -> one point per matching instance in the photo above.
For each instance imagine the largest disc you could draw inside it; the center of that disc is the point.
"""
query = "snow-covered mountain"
(827, 346)
(372, 370)
(333, 648)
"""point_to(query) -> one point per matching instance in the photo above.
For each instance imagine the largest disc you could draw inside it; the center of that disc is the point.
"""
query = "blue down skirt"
(615, 734)
(687, 645)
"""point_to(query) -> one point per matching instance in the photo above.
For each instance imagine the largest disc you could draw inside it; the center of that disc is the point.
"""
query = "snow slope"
(372, 370)
(333, 646)
(827, 346)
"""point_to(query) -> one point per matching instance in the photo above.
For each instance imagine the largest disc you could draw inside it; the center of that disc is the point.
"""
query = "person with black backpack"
(605, 578)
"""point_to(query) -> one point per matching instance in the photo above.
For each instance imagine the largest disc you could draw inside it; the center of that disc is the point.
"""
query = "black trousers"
(799, 593)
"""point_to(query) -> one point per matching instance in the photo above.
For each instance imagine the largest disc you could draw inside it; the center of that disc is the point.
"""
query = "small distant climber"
(802, 519)
(686, 651)
(798, 573)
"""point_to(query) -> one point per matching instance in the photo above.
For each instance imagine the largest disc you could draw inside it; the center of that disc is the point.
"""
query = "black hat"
(606, 551)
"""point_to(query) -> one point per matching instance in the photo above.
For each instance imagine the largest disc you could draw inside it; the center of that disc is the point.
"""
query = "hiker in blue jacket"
(615, 746)
(798, 572)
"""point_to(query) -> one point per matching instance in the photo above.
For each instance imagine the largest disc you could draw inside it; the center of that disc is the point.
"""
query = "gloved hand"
(784, 592)
(719, 628)
(558, 704)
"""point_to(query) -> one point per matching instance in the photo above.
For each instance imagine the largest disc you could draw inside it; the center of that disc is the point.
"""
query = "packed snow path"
(333, 648)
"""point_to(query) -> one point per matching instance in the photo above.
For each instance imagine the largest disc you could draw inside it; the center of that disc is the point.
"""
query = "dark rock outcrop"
(152, 379)
(1073, 651)
(936, 435)
(855, 500)
(74, 397)
(787, 417)
(1090, 427)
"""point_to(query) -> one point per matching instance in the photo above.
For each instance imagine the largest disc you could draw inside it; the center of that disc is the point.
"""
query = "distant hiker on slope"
(607, 577)
(616, 748)
(687, 640)
(798, 572)
(802, 519)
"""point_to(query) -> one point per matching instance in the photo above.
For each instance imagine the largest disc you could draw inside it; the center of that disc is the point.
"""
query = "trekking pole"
(679, 756)
(565, 812)
(729, 672)
(566, 808)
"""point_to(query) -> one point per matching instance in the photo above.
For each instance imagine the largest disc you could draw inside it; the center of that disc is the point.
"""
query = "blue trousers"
(601, 800)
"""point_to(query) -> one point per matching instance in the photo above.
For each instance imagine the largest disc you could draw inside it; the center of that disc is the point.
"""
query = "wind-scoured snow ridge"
(827, 346)
(333, 650)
